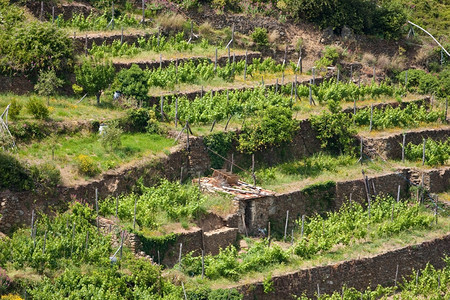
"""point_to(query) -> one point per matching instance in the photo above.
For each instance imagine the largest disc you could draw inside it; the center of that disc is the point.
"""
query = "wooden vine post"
(403, 147)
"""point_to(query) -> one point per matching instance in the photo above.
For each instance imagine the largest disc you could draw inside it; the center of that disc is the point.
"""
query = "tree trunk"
(98, 98)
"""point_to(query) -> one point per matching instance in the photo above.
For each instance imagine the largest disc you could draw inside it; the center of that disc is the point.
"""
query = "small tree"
(110, 138)
(47, 84)
(133, 82)
(94, 76)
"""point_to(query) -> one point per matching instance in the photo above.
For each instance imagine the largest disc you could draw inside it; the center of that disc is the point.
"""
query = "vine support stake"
(134, 214)
(396, 275)
(286, 225)
(435, 213)
(176, 112)
(351, 73)
(201, 92)
(53, 14)
(417, 277)
(268, 233)
(398, 193)
(212, 126)
(181, 175)
(41, 14)
(282, 77)
(403, 147)
(292, 237)
(350, 199)
(392, 213)
(318, 291)
(160, 61)
(371, 117)
(121, 245)
(96, 206)
(253, 170)
(303, 226)
(45, 241)
(423, 151)
(117, 206)
(184, 291)
(86, 45)
(295, 87)
(285, 55)
(245, 66)
(32, 222)
(143, 12)
(446, 109)
(215, 62)
(203, 263)
(179, 255)
(276, 86)
(337, 75)
(310, 92)
(314, 75)
(232, 163)
(406, 79)
(162, 107)
(121, 36)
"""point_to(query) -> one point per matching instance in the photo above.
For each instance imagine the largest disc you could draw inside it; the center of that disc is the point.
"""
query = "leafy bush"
(94, 76)
(37, 108)
(86, 165)
(363, 16)
(29, 130)
(14, 109)
(46, 175)
(335, 131)
(133, 82)
(271, 127)
(13, 174)
(137, 119)
(220, 143)
(260, 38)
(34, 47)
(329, 57)
(110, 137)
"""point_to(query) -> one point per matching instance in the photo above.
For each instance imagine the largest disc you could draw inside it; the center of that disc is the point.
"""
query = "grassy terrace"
(65, 108)
(68, 151)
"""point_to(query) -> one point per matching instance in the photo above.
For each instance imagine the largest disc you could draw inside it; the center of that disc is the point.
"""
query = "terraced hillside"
(191, 150)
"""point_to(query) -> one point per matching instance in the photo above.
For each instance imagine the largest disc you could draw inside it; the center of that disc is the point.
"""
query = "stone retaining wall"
(359, 273)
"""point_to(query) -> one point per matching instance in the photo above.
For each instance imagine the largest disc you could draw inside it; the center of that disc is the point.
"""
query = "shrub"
(6, 140)
(110, 138)
(34, 47)
(330, 57)
(335, 131)
(46, 175)
(153, 124)
(271, 127)
(221, 143)
(48, 83)
(86, 165)
(14, 109)
(137, 119)
(13, 174)
(133, 82)
(37, 108)
(260, 37)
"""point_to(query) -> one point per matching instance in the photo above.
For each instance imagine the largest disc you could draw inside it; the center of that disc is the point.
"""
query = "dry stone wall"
(359, 273)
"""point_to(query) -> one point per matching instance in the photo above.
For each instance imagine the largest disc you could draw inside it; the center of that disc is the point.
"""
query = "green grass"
(66, 108)
(67, 149)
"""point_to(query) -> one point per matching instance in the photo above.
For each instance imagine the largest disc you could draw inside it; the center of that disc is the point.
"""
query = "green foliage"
(14, 109)
(411, 116)
(232, 265)
(271, 127)
(330, 57)
(34, 47)
(153, 244)
(436, 153)
(94, 76)
(220, 143)
(29, 130)
(46, 176)
(13, 174)
(426, 83)
(133, 82)
(170, 199)
(335, 132)
(268, 284)
(240, 104)
(37, 108)
(385, 19)
(137, 119)
(110, 137)
(260, 38)
(352, 221)
(97, 22)
(86, 165)
(48, 83)
(10, 15)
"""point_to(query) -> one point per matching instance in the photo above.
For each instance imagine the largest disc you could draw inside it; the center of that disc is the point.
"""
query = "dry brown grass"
(383, 62)
(273, 36)
(368, 59)
(171, 22)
